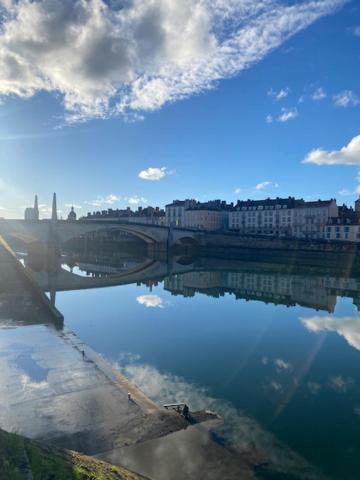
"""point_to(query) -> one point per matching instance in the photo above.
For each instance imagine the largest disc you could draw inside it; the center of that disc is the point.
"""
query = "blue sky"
(212, 124)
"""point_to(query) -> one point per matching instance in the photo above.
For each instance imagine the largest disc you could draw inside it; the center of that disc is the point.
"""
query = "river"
(271, 348)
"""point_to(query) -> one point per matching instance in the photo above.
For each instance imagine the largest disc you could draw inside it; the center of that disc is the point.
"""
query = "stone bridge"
(61, 231)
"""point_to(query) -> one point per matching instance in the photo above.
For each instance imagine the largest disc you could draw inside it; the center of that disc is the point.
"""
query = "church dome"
(72, 215)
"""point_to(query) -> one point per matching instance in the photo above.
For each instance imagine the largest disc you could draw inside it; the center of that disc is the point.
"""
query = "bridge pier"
(157, 250)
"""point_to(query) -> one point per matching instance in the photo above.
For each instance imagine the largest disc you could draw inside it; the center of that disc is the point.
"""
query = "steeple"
(36, 208)
(54, 209)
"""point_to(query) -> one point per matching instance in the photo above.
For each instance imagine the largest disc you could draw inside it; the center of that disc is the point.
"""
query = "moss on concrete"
(23, 459)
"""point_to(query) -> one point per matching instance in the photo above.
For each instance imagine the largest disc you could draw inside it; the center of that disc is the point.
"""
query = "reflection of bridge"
(264, 282)
(61, 231)
(63, 279)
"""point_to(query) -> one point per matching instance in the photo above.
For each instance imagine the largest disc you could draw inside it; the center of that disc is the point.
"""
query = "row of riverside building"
(278, 217)
(275, 217)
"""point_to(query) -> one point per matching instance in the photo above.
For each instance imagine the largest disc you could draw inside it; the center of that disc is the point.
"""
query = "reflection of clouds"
(276, 386)
(27, 383)
(341, 384)
(282, 365)
(314, 387)
(347, 327)
(357, 410)
(151, 301)
(279, 363)
(243, 433)
(128, 357)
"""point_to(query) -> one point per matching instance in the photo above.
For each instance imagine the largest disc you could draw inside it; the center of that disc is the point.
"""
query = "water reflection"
(218, 334)
(347, 327)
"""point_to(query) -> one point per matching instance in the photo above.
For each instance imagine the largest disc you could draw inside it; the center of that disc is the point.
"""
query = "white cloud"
(136, 200)
(153, 173)
(100, 200)
(347, 327)
(69, 205)
(347, 98)
(348, 155)
(237, 190)
(269, 119)
(356, 31)
(151, 301)
(287, 114)
(282, 93)
(263, 185)
(104, 58)
(318, 94)
(344, 192)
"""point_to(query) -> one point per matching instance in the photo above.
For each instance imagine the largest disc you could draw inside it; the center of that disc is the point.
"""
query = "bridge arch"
(150, 234)
(148, 239)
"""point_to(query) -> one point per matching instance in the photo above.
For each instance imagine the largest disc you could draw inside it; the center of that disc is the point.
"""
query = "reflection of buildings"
(319, 292)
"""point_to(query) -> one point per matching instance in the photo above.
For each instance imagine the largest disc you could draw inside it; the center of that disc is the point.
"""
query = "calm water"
(271, 348)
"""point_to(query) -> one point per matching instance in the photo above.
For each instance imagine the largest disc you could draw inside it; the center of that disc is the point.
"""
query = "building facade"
(175, 212)
(345, 227)
(282, 217)
(205, 219)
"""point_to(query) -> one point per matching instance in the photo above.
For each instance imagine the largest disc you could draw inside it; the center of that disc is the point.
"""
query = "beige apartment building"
(205, 219)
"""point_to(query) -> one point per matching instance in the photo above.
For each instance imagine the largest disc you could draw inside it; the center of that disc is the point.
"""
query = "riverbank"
(24, 459)
(339, 256)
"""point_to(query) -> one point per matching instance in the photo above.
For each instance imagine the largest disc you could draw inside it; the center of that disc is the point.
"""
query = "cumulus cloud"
(347, 327)
(318, 94)
(69, 205)
(106, 58)
(153, 173)
(348, 155)
(136, 200)
(287, 114)
(100, 200)
(347, 98)
(263, 185)
(237, 190)
(279, 95)
(151, 301)
(345, 192)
